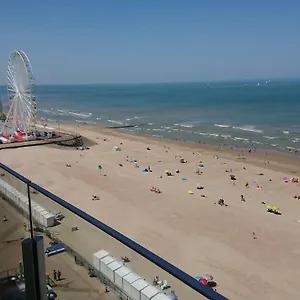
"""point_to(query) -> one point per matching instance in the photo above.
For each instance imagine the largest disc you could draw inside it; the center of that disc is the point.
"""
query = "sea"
(260, 114)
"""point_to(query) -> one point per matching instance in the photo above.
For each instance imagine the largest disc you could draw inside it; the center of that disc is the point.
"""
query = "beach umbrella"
(270, 207)
(203, 281)
(275, 208)
(190, 192)
(208, 277)
(167, 171)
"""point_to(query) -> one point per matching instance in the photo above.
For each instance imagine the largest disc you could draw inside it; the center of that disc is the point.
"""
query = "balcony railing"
(82, 236)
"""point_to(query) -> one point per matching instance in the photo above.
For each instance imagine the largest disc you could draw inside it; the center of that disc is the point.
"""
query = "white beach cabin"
(104, 262)
(128, 280)
(97, 256)
(111, 268)
(119, 274)
(149, 292)
(49, 220)
(137, 287)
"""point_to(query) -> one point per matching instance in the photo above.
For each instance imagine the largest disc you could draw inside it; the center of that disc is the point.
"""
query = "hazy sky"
(76, 41)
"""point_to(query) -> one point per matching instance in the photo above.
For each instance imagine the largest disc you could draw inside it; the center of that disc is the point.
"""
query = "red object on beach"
(203, 281)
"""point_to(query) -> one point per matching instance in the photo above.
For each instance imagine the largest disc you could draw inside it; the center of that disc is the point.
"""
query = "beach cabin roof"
(115, 265)
(123, 271)
(131, 277)
(150, 291)
(107, 259)
(100, 254)
(140, 284)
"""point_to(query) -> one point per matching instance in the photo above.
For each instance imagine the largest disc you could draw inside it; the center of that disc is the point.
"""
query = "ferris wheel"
(21, 117)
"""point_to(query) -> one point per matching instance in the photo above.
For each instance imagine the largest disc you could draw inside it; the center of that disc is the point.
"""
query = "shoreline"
(278, 161)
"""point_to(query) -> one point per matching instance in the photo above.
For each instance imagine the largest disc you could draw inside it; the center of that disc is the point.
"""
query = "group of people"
(155, 190)
(57, 275)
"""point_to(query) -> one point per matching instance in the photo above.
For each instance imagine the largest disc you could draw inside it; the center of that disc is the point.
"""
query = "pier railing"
(84, 235)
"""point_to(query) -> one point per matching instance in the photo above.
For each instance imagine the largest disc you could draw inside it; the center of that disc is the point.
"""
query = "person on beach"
(58, 275)
(54, 275)
(243, 198)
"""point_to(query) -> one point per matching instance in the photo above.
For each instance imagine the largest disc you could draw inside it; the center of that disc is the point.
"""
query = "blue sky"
(75, 41)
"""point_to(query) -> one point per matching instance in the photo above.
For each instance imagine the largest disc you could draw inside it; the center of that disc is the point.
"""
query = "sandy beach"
(252, 254)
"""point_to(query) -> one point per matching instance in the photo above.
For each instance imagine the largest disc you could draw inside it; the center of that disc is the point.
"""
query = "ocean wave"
(285, 131)
(270, 137)
(256, 142)
(85, 122)
(249, 128)
(225, 136)
(156, 135)
(68, 113)
(50, 112)
(133, 118)
(222, 125)
(115, 122)
(237, 138)
(187, 125)
(80, 114)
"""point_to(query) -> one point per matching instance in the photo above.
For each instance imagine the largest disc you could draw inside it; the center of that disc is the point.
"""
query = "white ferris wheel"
(21, 116)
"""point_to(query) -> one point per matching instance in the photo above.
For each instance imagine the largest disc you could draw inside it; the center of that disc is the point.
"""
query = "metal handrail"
(152, 257)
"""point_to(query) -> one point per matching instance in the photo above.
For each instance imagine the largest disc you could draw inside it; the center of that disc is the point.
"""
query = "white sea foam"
(133, 118)
(51, 112)
(115, 122)
(226, 136)
(80, 114)
(187, 125)
(249, 128)
(222, 125)
(156, 135)
(285, 132)
(236, 138)
(270, 137)
(256, 142)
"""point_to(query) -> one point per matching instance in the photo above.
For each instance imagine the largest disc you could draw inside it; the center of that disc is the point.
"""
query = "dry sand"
(191, 232)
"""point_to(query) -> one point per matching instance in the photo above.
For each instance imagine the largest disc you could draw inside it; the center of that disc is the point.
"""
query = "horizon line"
(172, 82)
